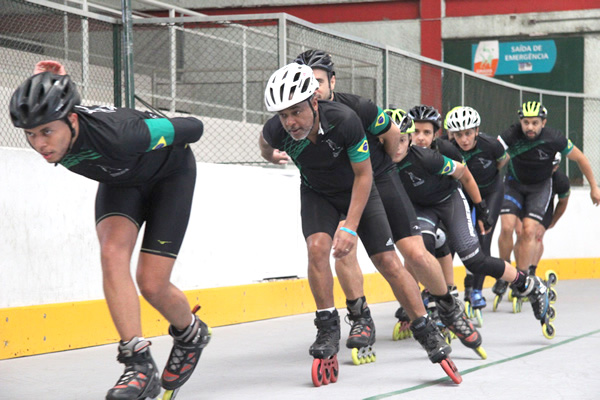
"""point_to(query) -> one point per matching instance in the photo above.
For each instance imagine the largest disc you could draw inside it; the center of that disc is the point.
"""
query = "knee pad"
(486, 265)
(429, 241)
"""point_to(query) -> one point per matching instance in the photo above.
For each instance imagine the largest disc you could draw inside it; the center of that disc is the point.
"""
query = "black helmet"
(43, 98)
(424, 113)
(316, 59)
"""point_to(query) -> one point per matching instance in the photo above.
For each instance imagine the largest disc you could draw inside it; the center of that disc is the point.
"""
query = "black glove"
(483, 214)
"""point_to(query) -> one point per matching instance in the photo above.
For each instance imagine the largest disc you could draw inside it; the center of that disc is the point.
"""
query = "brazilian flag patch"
(380, 119)
(161, 143)
(447, 168)
(364, 147)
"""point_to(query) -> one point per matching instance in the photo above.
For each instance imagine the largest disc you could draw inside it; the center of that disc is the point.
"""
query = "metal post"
(128, 53)
(282, 41)
(66, 33)
(85, 52)
(173, 63)
(567, 130)
(462, 88)
(386, 80)
(117, 91)
(244, 76)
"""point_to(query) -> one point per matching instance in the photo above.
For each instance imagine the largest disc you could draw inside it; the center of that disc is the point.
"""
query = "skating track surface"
(269, 360)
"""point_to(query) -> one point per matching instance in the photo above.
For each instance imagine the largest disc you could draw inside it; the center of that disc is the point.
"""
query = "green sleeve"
(161, 131)
(380, 124)
(360, 151)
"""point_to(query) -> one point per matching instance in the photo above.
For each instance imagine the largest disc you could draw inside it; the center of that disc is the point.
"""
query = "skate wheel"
(551, 313)
(497, 301)
(481, 352)
(333, 369)
(548, 330)
(468, 309)
(451, 370)
(517, 305)
(479, 317)
(397, 334)
(551, 277)
(170, 394)
(510, 295)
(355, 357)
(317, 372)
(552, 295)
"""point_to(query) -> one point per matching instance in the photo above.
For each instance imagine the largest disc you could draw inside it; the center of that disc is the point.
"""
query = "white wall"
(244, 227)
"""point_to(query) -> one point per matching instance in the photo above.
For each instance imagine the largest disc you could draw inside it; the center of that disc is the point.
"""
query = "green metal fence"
(216, 67)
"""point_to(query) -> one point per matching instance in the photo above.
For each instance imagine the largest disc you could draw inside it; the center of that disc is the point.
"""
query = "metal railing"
(215, 68)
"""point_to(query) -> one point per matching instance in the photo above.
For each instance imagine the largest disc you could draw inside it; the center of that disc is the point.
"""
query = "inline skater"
(140, 161)
(484, 156)
(328, 144)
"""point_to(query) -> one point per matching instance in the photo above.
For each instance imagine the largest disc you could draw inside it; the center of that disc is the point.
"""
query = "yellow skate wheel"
(468, 309)
(551, 313)
(517, 305)
(510, 295)
(170, 394)
(548, 330)
(552, 295)
(355, 357)
(479, 317)
(551, 277)
(481, 352)
(397, 334)
(497, 301)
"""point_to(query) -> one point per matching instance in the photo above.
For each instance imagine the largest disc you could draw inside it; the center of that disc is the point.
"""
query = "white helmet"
(289, 86)
(461, 118)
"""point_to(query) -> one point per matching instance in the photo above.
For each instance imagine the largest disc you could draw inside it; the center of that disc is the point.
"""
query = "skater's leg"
(423, 263)
(525, 248)
(350, 275)
(320, 277)
(403, 285)
(505, 240)
(117, 236)
(153, 278)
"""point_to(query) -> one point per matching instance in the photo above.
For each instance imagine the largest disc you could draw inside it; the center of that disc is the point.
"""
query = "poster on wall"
(492, 57)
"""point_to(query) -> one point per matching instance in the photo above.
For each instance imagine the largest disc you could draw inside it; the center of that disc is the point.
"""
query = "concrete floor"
(269, 360)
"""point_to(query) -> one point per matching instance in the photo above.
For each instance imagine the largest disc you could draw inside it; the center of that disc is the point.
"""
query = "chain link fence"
(216, 68)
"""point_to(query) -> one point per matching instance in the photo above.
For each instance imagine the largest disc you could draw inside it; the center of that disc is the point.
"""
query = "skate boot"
(478, 303)
(185, 354)
(537, 291)
(401, 329)
(140, 379)
(432, 312)
(431, 339)
(454, 317)
(362, 333)
(325, 367)
(499, 289)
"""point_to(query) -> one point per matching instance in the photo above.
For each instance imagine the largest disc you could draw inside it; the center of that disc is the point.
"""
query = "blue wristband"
(350, 231)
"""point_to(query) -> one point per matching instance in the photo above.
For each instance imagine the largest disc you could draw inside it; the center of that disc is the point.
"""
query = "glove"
(483, 214)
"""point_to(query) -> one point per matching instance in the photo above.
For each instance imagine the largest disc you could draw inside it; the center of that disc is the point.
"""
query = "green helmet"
(401, 119)
(532, 109)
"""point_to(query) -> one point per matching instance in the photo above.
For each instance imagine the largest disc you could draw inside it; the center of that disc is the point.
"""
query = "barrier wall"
(244, 231)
